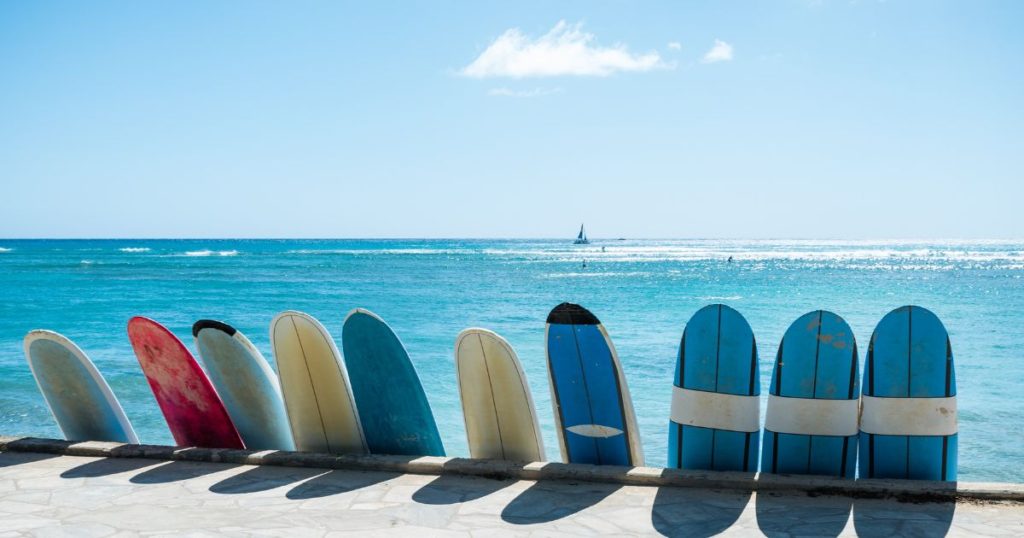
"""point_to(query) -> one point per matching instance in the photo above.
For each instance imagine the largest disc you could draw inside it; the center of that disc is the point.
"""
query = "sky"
(783, 119)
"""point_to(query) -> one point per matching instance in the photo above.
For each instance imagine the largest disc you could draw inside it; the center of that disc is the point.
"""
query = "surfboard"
(392, 405)
(78, 397)
(716, 404)
(190, 405)
(909, 419)
(315, 385)
(501, 421)
(811, 420)
(246, 385)
(594, 417)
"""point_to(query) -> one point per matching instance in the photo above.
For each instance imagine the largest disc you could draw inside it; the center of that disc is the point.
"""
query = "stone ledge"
(905, 490)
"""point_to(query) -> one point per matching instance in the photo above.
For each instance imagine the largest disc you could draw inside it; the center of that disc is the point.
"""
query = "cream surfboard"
(501, 421)
(315, 386)
(78, 397)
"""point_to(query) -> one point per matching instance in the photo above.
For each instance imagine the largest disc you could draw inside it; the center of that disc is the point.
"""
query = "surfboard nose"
(212, 324)
(572, 314)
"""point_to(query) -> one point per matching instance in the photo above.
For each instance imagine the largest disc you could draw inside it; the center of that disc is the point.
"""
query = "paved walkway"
(53, 495)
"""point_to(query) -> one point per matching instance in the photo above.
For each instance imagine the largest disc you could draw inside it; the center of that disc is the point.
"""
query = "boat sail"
(581, 239)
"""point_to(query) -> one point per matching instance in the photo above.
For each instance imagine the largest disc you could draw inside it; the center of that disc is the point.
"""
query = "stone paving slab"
(52, 495)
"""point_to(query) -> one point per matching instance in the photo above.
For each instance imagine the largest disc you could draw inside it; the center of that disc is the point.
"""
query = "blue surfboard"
(908, 425)
(714, 423)
(392, 406)
(594, 415)
(78, 397)
(811, 421)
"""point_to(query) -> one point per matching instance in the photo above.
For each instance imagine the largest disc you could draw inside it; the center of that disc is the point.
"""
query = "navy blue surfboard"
(393, 408)
(811, 422)
(908, 427)
(715, 417)
(594, 415)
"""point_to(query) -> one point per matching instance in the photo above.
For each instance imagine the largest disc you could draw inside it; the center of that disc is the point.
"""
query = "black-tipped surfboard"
(811, 421)
(909, 419)
(394, 410)
(246, 384)
(716, 403)
(78, 397)
(594, 417)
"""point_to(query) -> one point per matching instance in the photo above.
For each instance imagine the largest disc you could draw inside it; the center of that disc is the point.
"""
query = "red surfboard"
(191, 406)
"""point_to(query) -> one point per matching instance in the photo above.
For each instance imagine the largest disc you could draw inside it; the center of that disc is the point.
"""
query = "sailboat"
(581, 239)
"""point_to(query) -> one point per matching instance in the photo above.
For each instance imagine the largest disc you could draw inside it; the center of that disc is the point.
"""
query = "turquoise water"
(643, 291)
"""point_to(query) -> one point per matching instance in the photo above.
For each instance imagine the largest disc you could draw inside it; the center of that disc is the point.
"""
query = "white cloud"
(565, 50)
(720, 52)
(675, 45)
(536, 92)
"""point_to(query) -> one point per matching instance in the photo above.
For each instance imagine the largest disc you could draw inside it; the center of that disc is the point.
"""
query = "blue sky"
(787, 119)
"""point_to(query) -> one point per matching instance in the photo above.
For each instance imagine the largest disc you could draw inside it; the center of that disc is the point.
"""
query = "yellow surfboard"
(501, 421)
(315, 386)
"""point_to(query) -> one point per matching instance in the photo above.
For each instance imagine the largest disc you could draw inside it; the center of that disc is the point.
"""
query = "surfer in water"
(729, 260)
(584, 264)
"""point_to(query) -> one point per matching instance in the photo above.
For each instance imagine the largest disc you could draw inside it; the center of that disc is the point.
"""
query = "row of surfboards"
(369, 399)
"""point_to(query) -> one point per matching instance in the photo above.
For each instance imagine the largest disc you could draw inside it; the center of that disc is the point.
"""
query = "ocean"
(429, 290)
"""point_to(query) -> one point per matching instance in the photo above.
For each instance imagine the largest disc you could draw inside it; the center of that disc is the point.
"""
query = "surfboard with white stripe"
(909, 422)
(715, 413)
(812, 416)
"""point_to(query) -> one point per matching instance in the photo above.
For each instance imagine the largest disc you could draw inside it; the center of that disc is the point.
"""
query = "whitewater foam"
(203, 253)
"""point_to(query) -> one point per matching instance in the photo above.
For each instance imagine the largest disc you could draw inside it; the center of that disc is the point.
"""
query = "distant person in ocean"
(729, 260)
(584, 264)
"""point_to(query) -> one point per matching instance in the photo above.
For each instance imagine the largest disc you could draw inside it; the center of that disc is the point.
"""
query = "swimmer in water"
(730, 260)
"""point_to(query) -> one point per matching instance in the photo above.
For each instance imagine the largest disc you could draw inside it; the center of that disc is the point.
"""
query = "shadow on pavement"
(263, 478)
(334, 482)
(695, 512)
(785, 515)
(546, 501)
(108, 466)
(450, 489)
(874, 517)
(178, 470)
(10, 459)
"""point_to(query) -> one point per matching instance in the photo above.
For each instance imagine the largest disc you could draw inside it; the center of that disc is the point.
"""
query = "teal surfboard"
(715, 415)
(78, 397)
(909, 419)
(811, 420)
(393, 408)
(246, 384)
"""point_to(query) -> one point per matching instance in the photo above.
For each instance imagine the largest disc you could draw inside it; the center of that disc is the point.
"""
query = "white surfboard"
(315, 386)
(246, 384)
(501, 421)
(78, 397)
